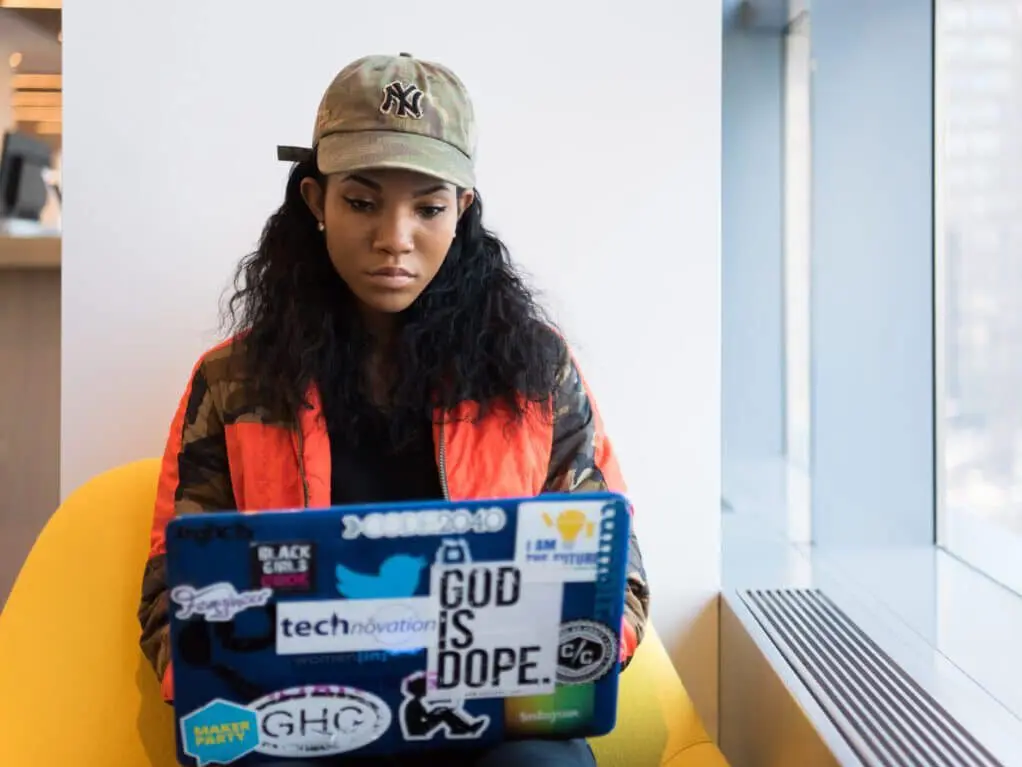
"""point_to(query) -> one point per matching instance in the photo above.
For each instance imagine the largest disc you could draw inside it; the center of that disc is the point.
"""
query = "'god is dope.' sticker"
(498, 631)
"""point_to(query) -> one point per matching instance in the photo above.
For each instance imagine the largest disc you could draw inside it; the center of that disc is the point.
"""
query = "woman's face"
(387, 231)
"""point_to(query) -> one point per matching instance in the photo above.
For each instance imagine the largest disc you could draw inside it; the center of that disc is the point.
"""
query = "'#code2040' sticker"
(410, 524)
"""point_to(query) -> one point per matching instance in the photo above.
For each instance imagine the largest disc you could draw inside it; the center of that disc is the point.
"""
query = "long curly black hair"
(475, 334)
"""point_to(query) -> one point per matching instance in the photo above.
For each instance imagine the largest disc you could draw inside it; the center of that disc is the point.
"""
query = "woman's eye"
(363, 206)
(432, 211)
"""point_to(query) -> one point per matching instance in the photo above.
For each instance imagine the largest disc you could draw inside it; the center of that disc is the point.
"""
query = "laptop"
(384, 629)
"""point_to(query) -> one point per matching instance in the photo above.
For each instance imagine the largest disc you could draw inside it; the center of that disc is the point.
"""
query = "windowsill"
(955, 631)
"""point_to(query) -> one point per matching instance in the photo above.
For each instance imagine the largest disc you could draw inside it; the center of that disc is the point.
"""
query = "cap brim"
(363, 150)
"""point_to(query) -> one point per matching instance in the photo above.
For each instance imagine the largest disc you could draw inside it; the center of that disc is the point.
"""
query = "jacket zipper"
(443, 465)
(301, 466)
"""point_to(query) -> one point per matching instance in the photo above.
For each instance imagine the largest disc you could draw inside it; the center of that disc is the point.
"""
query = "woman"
(384, 349)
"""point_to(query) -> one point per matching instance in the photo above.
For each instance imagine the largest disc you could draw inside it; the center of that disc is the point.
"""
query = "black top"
(369, 468)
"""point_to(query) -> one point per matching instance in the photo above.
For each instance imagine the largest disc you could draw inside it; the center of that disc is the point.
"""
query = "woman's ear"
(465, 201)
(313, 195)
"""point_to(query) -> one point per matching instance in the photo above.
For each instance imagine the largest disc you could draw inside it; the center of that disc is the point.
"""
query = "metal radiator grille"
(887, 718)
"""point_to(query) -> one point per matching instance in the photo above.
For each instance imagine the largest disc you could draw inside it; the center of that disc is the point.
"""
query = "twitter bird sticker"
(398, 577)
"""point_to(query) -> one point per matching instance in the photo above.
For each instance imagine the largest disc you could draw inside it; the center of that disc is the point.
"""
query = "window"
(797, 246)
(978, 194)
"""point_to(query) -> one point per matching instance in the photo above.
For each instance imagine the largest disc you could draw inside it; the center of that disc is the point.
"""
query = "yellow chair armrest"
(657, 722)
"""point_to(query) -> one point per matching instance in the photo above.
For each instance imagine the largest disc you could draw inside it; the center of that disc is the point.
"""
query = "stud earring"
(321, 226)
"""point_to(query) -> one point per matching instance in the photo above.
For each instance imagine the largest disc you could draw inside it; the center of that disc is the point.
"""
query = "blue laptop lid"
(384, 629)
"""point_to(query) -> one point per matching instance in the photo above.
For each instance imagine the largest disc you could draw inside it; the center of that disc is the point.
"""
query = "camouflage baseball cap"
(394, 112)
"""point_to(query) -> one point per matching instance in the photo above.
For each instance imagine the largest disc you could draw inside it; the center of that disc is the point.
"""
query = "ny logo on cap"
(402, 100)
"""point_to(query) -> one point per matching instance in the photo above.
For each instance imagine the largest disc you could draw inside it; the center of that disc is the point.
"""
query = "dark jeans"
(536, 753)
(529, 753)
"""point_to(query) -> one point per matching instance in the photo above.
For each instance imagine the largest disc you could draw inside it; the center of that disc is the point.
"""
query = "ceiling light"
(44, 4)
(15, 60)
(36, 82)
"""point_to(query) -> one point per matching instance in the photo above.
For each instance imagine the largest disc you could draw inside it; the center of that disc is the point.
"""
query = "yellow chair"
(75, 689)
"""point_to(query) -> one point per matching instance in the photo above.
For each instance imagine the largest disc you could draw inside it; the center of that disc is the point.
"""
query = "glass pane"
(978, 241)
(797, 175)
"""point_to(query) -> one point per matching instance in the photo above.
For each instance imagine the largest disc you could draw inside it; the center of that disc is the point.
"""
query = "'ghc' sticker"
(319, 720)
(219, 732)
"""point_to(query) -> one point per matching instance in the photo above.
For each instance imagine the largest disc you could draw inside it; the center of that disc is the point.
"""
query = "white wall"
(600, 165)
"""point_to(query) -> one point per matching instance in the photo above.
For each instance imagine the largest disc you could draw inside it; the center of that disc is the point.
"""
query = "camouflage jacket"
(222, 438)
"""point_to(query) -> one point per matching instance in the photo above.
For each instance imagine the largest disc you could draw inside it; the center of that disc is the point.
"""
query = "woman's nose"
(395, 233)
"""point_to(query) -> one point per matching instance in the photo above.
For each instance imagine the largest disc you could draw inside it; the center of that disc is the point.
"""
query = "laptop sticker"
(564, 535)
(422, 715)
(398, 577)
(213, 531)
(287, 566)
(219, 732)
(319, 720)
(218, 602)
(410, 524)
(588, 650)
(355, 625)
(453, 551)
(567, 711)
(330, 661)
(499, 630)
